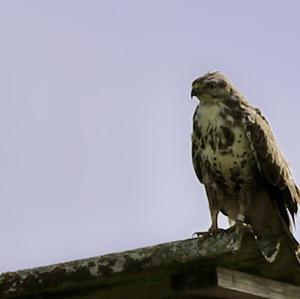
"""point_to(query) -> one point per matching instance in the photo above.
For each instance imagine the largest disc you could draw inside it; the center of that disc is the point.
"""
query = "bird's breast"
(224, 144)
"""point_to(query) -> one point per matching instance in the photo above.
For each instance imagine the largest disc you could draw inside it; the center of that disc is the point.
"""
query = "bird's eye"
(211, 84)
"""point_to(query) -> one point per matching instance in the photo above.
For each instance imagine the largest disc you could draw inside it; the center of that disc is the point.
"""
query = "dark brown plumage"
(236, 157)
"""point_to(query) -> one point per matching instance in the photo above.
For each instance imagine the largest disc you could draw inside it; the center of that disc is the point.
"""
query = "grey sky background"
(95, 116)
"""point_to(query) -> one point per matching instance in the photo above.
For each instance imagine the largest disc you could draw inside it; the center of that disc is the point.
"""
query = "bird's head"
(211, 86)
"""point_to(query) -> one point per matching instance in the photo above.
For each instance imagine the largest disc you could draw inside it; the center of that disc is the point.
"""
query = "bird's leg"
(214, 208)
(214, 221)
(243, 202)
(245, 196)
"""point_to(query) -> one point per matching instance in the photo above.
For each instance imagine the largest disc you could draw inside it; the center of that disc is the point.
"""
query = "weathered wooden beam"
(146, 272)
(230, 284)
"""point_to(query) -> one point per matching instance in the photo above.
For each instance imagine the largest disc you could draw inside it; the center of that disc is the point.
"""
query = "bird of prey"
(236, 157)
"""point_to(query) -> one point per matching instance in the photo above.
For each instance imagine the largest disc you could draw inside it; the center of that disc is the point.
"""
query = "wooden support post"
(230, 284)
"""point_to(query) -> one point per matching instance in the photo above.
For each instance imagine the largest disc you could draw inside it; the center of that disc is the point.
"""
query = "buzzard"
(236, 157)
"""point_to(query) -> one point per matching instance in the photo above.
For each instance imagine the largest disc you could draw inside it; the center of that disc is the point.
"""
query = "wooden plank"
(145, 272)
(254, 285)
(231, 284)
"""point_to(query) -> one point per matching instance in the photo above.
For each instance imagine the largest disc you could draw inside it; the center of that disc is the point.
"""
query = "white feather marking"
(209, 118)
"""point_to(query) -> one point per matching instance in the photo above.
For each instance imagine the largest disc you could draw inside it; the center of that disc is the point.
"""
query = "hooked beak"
(193, 92)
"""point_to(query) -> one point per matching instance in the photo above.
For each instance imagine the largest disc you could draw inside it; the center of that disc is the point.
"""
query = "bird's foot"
(211, 232)
(240, 226)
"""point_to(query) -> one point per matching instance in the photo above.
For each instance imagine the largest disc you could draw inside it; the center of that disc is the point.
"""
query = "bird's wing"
(270, 159)
(196, 150)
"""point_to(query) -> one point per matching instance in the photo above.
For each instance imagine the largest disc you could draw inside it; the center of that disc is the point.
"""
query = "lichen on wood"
(144, 270)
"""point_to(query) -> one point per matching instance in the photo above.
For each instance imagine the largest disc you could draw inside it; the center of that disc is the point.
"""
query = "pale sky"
(95, 116)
